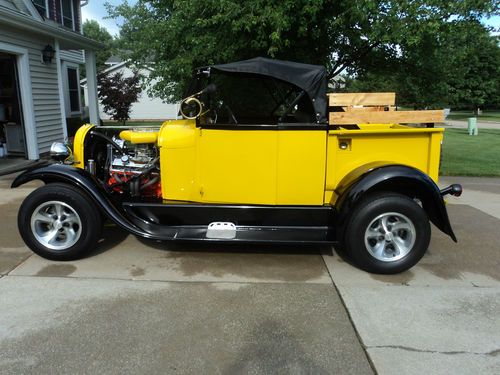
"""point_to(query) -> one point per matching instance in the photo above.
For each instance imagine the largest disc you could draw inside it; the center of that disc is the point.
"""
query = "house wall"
(147, 108)
(19, 4)
(44, 83)
(75, 56)
(8, 4)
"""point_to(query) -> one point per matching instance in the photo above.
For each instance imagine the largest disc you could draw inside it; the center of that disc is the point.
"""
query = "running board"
(296, 235)
(231, 223)
(182, 214)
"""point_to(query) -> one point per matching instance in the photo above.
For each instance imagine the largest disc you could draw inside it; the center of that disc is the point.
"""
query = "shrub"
(117, 94)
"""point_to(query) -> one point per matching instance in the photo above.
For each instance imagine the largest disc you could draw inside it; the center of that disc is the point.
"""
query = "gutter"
(21, 21)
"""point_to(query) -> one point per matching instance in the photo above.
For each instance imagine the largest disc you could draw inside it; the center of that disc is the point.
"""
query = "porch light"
(48, 54)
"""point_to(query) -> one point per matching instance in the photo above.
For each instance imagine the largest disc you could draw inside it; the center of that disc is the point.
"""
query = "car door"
(301, 165)
(262, 164)
(237, 164)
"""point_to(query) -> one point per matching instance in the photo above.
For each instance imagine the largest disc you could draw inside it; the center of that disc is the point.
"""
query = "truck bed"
(366, 129)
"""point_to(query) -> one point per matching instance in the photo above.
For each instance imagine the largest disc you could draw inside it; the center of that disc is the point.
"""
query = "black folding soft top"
(310, 78)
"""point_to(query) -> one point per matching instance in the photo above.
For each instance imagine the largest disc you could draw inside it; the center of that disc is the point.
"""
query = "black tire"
(86, 225)
(387, 253)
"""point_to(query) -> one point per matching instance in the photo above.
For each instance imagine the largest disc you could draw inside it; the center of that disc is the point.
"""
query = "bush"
(117, 94)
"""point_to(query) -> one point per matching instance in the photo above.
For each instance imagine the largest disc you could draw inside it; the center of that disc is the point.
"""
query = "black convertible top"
(310, 78)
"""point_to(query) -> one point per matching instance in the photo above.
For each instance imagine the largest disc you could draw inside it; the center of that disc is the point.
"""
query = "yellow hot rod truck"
(261, 154)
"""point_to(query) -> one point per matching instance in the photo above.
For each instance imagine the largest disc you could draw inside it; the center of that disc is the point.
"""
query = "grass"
(493, 116)
(467, 155)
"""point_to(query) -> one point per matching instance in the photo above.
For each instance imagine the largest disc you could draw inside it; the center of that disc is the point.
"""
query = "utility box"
(472, 126)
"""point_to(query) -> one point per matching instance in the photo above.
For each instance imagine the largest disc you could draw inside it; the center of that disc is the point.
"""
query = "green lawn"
(468, 155)
(464, 115)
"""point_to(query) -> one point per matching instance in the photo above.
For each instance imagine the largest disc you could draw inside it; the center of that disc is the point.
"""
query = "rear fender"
(397, 179)
(85, 182)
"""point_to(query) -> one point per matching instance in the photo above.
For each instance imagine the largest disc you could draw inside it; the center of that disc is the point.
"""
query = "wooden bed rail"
(375, 108)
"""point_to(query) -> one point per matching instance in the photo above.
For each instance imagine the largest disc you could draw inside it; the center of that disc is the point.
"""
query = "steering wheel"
(191, 108)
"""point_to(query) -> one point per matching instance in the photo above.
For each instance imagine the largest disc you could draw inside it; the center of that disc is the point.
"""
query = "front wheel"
(59, 222)
(387, 234)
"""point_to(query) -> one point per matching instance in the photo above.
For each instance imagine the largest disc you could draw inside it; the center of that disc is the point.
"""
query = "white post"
(61, 90)
(93, 102)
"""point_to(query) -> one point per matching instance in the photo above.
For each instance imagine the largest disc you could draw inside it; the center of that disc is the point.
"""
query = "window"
(42, 6)
(73, 88)
(67, 14)
(261, 100)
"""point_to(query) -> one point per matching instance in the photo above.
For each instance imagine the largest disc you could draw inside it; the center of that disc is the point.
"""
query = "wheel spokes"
(70, 233)
(56, 225)
(59, 209)
(384, 223)
(51, 236)
(390, 237)
(43, 217)
(71, 219)
(379, 249)
(400, 226)
(373, 232)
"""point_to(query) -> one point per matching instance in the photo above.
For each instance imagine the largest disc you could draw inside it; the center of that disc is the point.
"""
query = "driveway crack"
(492, 353)
(351, 320)
(19, 265)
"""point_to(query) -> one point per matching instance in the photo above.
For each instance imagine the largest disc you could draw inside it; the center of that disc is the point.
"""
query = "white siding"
(46, 104)
(148, 108)
(75, 56)
(20, 6)
(8, 4)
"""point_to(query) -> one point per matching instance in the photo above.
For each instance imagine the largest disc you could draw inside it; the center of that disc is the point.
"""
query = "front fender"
(86, 183)
(399, 179)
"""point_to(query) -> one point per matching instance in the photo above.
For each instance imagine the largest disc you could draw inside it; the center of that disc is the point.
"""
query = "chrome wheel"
(56, 225)
(390, 237)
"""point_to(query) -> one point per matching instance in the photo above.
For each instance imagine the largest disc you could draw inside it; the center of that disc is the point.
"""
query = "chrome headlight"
(59, 151)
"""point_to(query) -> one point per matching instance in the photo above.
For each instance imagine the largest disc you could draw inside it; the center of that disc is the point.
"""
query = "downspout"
(60, 84)
(92, 99)
(82, 4)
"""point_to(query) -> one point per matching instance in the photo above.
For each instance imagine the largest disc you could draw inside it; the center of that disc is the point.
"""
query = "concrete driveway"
(442, 316)
(136, 306)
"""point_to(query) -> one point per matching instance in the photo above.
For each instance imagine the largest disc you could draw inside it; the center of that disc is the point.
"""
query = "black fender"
(392, 178)
(88, 184)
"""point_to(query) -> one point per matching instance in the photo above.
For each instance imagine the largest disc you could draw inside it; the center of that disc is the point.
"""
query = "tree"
(117, 94)
(458, 65)
(92, 30)
(176, 36)
(480, 83)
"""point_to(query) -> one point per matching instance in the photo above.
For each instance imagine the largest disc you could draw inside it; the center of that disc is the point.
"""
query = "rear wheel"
(388, 233)
(59, 222)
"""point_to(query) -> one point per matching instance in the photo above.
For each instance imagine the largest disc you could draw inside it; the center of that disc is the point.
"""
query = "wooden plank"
(386, 117)
(362, 98)
(364, 109)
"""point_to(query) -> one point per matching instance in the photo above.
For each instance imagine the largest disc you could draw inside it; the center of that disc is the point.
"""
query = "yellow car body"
(275, 167)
